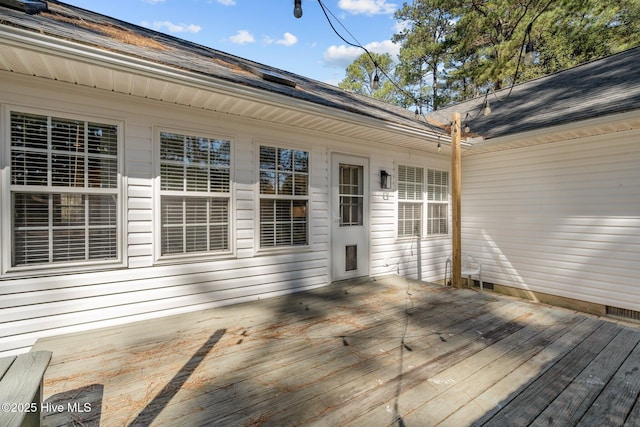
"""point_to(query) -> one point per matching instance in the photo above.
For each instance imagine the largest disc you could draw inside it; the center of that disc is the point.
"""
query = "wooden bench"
(21, 388)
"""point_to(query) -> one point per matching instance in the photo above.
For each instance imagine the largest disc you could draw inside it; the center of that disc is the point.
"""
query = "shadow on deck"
(386, 352)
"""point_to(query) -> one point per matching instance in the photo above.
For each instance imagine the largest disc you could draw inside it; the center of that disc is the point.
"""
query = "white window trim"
(425, 203)
(6, 226)
(194, 257)
(258, 196)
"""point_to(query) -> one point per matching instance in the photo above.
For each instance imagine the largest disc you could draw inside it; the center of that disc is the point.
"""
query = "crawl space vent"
(623, 313)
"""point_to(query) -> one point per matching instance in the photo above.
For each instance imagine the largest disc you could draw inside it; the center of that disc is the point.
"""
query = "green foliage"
(361, 72)
(456, 49)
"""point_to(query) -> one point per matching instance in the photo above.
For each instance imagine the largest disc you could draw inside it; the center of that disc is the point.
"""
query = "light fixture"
(376, 81)
(439, 144)
(385, 180)
(529, 51)
(467, 129)
(487, 108)
(529, 54)
(297, 8)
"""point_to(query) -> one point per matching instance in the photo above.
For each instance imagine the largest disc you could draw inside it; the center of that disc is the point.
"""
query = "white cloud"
(225, 2)
(343, 56)
(153, 1)
(172, 28)
(368, 7)
(287, 39)
(242, 37)
(385, 46)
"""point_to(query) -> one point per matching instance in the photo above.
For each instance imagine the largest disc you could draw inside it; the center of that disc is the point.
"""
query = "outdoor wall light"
(385, 180)
(297, 8)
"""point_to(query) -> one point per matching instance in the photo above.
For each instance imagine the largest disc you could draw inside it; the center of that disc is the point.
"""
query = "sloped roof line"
(610, 85)
(78, 25)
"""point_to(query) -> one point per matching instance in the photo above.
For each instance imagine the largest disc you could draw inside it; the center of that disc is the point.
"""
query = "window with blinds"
(284, 197)
(411, 201)
(437, 202)
(64, 190)
(195, 192)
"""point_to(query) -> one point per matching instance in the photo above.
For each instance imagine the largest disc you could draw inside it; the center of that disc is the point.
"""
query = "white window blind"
(284, 197)
(410, 200)
(195, 189)
(64, 190)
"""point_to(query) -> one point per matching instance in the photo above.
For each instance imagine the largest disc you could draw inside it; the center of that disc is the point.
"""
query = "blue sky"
(266, 30)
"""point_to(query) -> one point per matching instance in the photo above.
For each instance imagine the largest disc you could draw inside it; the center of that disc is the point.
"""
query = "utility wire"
(359, 45)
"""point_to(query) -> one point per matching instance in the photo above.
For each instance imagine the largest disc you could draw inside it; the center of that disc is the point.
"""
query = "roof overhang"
(602, 125)
(40, 55)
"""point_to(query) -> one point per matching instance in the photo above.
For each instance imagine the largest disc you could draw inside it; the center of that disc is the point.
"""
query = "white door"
(350, 217)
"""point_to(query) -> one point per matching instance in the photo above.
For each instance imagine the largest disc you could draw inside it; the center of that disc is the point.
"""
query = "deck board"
(569, 407)
(616, 402)
(364, 353)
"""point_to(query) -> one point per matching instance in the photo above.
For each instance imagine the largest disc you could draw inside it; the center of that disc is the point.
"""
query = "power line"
(359, 45)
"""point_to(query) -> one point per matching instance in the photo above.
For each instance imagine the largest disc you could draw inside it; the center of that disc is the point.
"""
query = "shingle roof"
(89, 28)
(606, 86)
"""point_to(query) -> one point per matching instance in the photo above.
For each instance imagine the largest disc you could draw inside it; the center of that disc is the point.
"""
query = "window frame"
(424, 203)
(259, 196)
(159, 193)
(7, 190)
(430, 203)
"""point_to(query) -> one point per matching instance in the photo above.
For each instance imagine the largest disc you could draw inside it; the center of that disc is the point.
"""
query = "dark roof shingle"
(606, 86)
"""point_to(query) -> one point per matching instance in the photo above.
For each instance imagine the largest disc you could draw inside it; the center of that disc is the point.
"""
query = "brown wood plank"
(633, 418)
(569, 407)
(165, 358)
(434, 400)
(5, 362)
(331, 366)
(527, 405)
(456, 201)
(341, 355)
(21, 385)
(495, 397)
(615, 403)
(355, 399)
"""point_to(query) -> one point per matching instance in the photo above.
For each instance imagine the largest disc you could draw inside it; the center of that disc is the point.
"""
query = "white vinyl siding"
(284, 197)
(195, 189)
(560, 219)
(64, 191)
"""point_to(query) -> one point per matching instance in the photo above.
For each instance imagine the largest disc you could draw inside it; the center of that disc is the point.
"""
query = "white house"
(551, 186)
(144, 176)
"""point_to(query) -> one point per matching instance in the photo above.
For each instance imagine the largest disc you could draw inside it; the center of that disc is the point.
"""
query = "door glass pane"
(351, 195)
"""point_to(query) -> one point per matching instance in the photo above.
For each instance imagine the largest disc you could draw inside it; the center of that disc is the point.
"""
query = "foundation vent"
(623, 313)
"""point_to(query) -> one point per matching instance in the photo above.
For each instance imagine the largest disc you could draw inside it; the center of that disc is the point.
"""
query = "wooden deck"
(387, 352)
